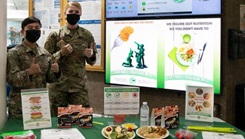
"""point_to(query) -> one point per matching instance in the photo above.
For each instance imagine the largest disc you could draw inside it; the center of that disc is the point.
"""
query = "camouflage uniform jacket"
(19, 60)
(73, 66)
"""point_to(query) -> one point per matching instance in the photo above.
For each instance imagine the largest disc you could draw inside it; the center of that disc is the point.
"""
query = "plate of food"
(117, 132)
(129, 125)
(186, 55)
(152, 132)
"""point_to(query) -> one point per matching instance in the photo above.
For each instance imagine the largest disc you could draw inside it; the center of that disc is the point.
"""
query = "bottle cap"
(144, 103)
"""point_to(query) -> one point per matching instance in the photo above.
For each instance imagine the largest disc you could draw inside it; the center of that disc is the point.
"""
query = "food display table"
(95, 131)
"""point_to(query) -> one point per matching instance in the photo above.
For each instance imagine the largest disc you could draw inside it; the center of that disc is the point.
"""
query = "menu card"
(121, 100)
(199, 103)
(35, 108)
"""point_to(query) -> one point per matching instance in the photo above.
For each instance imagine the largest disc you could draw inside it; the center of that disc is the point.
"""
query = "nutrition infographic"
(164, 53)
(199, 103)
(36, 108)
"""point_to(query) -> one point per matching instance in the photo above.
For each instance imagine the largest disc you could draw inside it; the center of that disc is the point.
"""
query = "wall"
(232, 72)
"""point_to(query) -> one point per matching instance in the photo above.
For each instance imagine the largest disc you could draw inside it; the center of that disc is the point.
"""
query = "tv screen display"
(160, 8)
(163, 53)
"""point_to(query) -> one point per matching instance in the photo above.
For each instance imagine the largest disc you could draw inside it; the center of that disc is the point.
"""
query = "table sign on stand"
(36, 108)
(199, 103)
(121, 101)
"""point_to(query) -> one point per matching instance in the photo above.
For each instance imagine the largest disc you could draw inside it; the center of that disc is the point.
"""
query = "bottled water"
(144, 114)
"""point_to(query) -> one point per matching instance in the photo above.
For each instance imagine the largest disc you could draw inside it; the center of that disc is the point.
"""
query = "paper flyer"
(199, 103)
(36, 109)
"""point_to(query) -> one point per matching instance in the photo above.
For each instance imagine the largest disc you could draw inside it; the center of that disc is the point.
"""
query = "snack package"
(64, 117)
(86, 117)
(185, 134)
(75, 110)
(170, 114)
(19, 135)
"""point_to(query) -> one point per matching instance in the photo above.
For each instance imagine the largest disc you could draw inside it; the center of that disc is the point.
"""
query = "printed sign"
(121, 100)
(199, 103)
(35, 108)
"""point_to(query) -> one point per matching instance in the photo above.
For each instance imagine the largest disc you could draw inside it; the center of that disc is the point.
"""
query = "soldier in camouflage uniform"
(73, 46)
(28, 65)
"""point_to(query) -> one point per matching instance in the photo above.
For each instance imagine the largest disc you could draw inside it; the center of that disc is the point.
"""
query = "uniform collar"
(66, 31)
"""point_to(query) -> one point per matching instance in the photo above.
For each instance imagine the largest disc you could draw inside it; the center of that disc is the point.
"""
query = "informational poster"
(164, 53)
(91, 20)
(35, 108)
(48, 11)
(199, 103)
(121, 100)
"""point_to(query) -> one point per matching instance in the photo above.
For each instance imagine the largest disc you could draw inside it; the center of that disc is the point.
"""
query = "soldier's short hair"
(29, 20)
(74, 3)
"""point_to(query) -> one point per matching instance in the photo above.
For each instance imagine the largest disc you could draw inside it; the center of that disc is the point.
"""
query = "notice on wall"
(91, 20)
(199, 103)
(35, 108)
(48, 11)
(121, 100)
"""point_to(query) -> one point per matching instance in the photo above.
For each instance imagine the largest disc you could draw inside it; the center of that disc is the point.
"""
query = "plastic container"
(119, 118)
(144, 114)
(185, 134)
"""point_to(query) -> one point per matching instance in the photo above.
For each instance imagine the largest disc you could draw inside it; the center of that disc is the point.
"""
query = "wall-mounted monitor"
(160, 8)
(163, 53)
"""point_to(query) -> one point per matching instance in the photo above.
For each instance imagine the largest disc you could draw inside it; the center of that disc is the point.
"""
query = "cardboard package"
(170, 114)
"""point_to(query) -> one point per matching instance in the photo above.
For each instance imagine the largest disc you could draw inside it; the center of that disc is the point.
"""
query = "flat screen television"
(160, 8)
(163, 53)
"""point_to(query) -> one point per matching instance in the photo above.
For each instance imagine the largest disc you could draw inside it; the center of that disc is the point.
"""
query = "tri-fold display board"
(158, 52)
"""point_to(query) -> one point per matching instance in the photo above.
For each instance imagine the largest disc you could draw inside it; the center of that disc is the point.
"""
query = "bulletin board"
(51, 14)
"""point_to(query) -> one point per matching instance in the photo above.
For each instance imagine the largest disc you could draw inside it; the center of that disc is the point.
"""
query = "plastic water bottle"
(144, 114)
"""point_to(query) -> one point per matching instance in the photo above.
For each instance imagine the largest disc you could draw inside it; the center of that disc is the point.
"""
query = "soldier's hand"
(65, 49)
(34, 68)
(89, 51)
(55, 66)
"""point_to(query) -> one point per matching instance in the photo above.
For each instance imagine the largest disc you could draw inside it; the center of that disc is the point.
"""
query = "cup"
(119, 118)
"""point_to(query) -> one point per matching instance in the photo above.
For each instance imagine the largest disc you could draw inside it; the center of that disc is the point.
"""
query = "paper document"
(71, 133)
(214, 135)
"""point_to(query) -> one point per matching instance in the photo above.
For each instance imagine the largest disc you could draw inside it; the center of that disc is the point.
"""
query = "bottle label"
(144, 118)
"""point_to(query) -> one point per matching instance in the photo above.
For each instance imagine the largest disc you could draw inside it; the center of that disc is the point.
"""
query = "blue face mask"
(72, 19)
(33, 35)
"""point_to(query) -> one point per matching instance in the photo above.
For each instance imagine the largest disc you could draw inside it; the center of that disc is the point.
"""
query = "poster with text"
(35, 108)
(121, 100)
(164, 53)
(199, 103)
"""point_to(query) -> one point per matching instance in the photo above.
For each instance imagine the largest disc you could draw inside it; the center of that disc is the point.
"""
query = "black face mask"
(72, 18)
(33, 35)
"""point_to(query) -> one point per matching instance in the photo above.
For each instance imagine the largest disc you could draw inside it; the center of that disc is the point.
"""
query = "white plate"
(165, 136)
(134, 126)
(103, 133)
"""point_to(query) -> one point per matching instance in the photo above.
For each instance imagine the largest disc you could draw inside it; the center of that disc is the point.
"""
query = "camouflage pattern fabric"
(62, 99)
(19, 60)
(72, 82)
